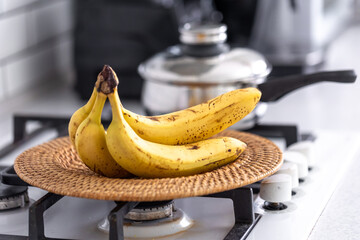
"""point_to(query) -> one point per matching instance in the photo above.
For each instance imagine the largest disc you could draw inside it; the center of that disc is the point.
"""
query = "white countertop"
(331, 106)
(320, 106)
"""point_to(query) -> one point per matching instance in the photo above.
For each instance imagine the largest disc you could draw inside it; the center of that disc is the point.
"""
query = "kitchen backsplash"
(35, 44)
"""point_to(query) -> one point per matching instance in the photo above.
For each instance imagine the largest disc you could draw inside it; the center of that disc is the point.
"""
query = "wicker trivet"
(56, 167)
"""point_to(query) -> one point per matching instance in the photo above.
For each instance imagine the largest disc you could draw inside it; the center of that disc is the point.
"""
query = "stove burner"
(13, 196)
(146, 211)
(274, 206)
(150, 229)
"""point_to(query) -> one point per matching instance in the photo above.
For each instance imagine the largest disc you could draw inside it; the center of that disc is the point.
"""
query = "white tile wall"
(8, 5)
(13, 37)
(35, 43)
(64, 58)
(49, 20)
(30, 70)
(2, 84)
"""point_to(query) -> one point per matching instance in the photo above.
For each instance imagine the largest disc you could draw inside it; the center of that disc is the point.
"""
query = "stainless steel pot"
(204, 66)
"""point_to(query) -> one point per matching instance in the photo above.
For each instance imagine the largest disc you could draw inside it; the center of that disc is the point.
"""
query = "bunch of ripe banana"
(170, 145)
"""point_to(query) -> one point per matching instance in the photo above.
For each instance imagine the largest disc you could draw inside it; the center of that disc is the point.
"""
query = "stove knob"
(292, 170)
(306, 148)
(276, 188)
(300, 161)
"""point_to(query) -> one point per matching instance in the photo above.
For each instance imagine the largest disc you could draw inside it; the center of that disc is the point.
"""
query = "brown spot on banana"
(229, 106)
(87, 124)
(154, 119)
(159, 167)
(139, 149)
(191, 110)
(214, 163)
(202, 117)
(172, 118)
(194, 147)
(239, 151)
(211, 103)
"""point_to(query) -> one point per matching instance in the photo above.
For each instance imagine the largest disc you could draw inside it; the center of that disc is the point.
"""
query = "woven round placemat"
(55, 166)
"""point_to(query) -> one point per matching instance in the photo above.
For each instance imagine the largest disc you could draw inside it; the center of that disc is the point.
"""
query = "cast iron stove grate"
(245, 218)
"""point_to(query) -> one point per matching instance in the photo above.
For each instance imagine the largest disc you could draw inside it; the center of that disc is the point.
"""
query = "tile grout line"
(25, 8)
(3, 77)
(54, 40)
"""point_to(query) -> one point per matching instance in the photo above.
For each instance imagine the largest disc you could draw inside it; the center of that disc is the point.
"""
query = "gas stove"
(285, 205)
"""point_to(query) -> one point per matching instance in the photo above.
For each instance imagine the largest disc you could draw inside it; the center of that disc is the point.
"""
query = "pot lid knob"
(276, 188)
(307, 149)
(300, 160)
(290, 169)
(198, 34)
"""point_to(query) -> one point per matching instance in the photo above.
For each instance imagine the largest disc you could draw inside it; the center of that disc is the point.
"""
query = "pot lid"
(177, 66)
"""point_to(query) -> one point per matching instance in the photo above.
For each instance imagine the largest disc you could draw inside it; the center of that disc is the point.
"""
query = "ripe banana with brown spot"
(153, 160)
(186, 126)
(91, 145)
(198, 122)
(79, 116)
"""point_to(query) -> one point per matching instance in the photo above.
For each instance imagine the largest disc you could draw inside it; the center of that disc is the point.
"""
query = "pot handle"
(275, 88)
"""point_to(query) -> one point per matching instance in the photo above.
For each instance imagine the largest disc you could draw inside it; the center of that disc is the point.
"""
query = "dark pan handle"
(275, 88)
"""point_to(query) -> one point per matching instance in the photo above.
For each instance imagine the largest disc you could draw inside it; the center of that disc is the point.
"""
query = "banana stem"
(107, 80)
(88, 106)
(95, 114)
(115, 103)
(107, 85)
